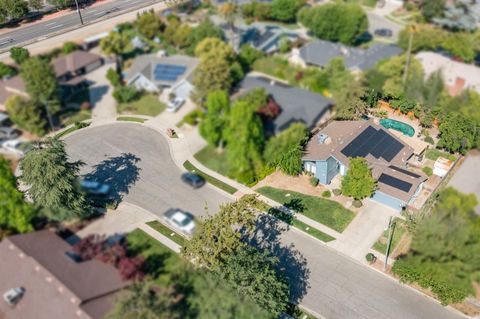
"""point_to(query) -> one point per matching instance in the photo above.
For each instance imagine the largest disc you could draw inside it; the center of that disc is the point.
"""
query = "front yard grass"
(167, 232)
(212, 180)
(160, 260)
(72, 116)
(130, 119)
(398, 231)
(210, 157)
(148, 104)
(324, 211)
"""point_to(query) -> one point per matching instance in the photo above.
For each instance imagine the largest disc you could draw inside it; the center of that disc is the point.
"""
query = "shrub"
(193, 117)
(69, 47)
(314, 181)
(327, 194)
(370, 258)
(6, 71)
(429, 140)
(125, 94)
(114, 77)
(428, 171)
(337, 192)
(357, 203)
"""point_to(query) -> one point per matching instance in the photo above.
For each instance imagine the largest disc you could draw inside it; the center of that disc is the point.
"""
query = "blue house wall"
(388, 200)
(325, 170)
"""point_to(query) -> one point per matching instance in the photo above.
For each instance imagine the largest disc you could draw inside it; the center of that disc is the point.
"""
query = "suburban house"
(320, 53)
(155, 72)
(297, 105)
(457, 76)
(69, 70)
(328, 154)
(45, 281)
(266, 38)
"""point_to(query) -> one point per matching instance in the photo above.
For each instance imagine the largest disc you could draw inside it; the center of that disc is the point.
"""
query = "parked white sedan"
(181, 220)
(16, 147)
(175, 104)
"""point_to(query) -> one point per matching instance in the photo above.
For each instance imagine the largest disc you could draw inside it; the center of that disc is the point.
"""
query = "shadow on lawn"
(292, 264)
(120, 172)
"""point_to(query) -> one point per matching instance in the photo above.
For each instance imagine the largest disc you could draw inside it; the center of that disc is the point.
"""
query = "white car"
(95, 188)
(17, 147)
(175, 104)
(181, 220)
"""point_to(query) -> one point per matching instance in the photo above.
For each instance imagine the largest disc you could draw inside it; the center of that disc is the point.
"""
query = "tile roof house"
(69, 70)
(154, 72)
(328, 154)
(297, 105)
(457, 76)
(55, 285)
(320, 53)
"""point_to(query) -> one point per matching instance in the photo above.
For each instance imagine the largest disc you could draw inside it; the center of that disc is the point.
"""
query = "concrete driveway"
(135, 160)
(377, 21)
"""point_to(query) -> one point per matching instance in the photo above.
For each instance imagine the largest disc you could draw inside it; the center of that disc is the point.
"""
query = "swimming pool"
(398, 126)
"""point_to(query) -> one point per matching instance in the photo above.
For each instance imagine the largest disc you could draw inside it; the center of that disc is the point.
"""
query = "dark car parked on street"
(193, 179)
(387, 33)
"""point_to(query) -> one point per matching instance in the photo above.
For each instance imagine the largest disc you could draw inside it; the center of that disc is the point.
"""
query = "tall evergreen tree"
(52, 181)
(213, 126)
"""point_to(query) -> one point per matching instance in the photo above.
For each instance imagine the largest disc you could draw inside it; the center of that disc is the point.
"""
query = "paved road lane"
(158, 187)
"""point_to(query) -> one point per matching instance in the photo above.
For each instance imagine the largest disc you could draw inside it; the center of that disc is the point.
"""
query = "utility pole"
(387, 250)
(78, 10)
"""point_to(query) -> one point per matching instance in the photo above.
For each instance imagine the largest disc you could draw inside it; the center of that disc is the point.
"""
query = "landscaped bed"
(71, 116)
(398, 231)
(167, 232)
(212, 180)
(130, 119)
(433, 154)
(148, 104)
(324, 211)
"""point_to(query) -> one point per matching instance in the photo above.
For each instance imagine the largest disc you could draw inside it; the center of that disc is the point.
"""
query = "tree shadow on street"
(292, 264)
(120, 172)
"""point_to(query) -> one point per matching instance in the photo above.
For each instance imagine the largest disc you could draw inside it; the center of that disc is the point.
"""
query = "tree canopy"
(358, 182)
(445, 250)
(52, 181)
(216, 118)
(342, 22)
(19, 55)
(458, 133)
(286, 10)
(149, 24)
(26, 115)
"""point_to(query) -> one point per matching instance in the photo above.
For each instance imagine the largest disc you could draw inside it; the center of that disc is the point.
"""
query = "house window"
(311, 168)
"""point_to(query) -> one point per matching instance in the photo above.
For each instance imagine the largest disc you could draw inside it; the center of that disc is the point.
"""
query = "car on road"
(16, 147)
(193, 179)
(8, 133)
(95, 188)
(183, 221)
(175, 104)
(384, 32)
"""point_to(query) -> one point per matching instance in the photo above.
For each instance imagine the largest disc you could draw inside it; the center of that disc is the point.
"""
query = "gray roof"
(145, 65)
(56, 286)
(297, 105)
(266, 37)
(321, 52)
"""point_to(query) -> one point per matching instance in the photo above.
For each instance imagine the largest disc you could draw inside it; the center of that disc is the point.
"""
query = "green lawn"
(148, 104)
(433, 154)
(210, 157)
(324, 211)
(312, 231)
(130, 119)
(160, 260)
(167, 232)
(71, 116)
(212, 180)
(381, 244)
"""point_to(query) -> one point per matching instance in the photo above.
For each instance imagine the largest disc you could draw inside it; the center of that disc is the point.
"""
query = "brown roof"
(11, 86)
(56, 286)
(73, 62)
(342, 133)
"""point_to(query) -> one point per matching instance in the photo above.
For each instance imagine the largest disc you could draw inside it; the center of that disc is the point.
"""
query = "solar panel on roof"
(395, 182)
(168, 72)
(378, 143)
(404, 171)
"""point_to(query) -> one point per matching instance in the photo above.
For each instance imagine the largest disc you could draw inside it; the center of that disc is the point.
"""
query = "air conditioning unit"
(13, 296)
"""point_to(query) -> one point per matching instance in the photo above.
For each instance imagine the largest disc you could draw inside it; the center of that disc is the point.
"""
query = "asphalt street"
(337, 287)
(41, 30)
(136, 162)
(377, 21)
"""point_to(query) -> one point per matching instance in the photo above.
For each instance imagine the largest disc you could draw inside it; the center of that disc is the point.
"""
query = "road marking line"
(56, 26)
(98, 13)
(5, 42)
(52, 23)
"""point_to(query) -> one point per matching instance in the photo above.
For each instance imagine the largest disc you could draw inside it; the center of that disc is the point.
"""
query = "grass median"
(130, 119)
(168, 232)
(324, 211)
(212, 180)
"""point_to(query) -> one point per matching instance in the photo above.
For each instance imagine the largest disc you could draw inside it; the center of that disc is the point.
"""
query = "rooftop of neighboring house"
(161, 70)
(456, 75)
(56, 286)
(296, 104)
(386, 154)
(321, 52)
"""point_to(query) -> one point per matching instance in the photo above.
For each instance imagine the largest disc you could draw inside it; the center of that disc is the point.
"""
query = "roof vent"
(323, 139)
(13, 296)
